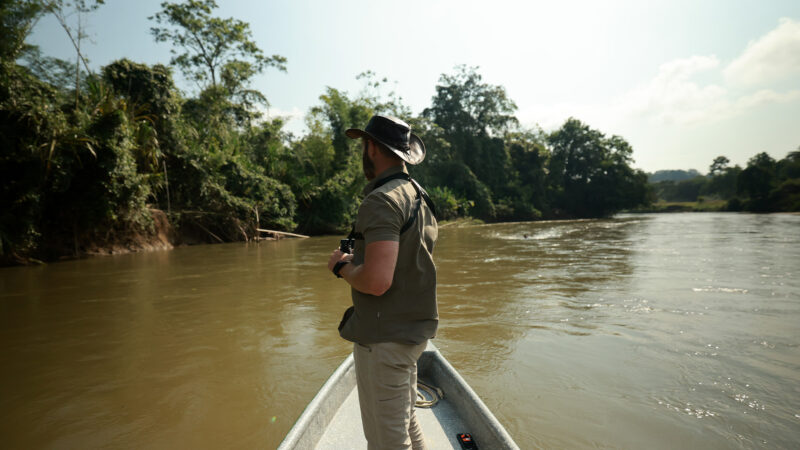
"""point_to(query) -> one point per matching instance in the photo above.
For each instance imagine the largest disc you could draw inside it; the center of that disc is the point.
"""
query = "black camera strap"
(421, 195)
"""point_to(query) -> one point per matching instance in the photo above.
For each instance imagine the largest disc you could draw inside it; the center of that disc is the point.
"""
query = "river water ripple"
(642, 331)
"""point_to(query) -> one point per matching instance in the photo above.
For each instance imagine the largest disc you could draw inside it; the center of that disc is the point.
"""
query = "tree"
(211, 49)
(789, 167)
(719, 166)
(590, 175)
(527, 188)
(17, 19)
(341, 113)
(63, 10)
(465, 105)
(757, 180)
(473, 116)
(721, 180)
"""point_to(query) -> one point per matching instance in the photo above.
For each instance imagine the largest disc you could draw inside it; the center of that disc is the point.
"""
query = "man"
(393, 281)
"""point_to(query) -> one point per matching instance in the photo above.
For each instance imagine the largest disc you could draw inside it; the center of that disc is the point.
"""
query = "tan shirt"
(407, 312)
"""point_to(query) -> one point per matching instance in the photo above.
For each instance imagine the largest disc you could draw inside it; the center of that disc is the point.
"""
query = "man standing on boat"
(393, 282)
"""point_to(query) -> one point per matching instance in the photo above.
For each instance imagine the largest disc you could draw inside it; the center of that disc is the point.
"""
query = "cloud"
(673, 96)
(293, 119)
(697, 90)
(771, 58)
(273, 113)
(766, 96)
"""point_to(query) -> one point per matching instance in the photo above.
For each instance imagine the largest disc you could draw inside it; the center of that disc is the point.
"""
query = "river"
(641, 331)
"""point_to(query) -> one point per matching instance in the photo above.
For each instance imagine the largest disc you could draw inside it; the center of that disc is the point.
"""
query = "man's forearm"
(376, 274)
(360, 278)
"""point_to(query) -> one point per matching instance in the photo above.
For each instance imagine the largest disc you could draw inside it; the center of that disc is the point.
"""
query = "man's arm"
(376, 274)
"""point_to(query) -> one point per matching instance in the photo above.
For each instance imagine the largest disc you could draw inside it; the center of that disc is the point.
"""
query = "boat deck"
(333, 418)
(439, 425)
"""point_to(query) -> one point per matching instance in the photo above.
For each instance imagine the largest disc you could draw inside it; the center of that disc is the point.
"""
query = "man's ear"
(372, 149)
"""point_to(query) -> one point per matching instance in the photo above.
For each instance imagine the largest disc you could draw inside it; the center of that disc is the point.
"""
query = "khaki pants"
(386, 375)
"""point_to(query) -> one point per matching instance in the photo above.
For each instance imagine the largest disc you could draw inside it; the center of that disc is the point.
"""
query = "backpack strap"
(421, 195)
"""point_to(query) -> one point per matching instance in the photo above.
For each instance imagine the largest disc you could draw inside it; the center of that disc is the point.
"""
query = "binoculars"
(346, 245)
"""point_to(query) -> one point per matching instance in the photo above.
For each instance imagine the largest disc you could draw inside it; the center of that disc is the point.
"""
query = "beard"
(367, 164)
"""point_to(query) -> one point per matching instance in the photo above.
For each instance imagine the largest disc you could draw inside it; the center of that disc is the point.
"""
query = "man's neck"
(380, 169)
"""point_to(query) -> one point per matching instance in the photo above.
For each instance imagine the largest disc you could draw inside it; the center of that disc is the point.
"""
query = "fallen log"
(282, 233)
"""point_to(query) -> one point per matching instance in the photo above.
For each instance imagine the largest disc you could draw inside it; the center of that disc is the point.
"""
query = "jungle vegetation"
(764, 185)
(87, 157)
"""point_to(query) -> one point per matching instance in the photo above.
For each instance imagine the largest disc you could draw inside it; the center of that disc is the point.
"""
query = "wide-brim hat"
(395, 134)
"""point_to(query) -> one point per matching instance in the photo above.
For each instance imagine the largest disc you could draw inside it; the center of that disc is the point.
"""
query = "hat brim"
(414, 155)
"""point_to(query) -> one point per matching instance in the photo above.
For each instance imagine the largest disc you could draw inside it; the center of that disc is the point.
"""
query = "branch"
(56, 10)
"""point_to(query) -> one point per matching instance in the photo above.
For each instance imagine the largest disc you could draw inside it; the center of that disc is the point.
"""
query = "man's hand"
(337, 256)
(375, 275)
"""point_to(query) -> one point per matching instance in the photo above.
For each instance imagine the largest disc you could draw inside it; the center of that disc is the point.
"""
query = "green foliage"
(86, 162)
(219, 55)
(210, 48)
(447, 205)
(326, 175)
(672, 175)
(757, 180)
(719, 166)
(590, 175)
(721, 183)
(54, 71)
(17, 18)
(74, 176)
(786, 197)
(464, 106)
(526, 191)
(764, 185)
(473, 116)
(29, 128)
(681, 191)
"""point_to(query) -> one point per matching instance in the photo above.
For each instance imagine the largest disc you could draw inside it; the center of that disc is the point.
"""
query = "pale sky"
(682, 81)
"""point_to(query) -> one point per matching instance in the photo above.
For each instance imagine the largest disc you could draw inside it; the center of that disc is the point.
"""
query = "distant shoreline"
(164, 237)
(696, 206)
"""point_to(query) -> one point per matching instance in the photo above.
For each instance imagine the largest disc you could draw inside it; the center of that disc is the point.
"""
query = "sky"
(682, 81)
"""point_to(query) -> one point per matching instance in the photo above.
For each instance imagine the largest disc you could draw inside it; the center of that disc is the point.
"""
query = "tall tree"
(64, 11)
(718, 166)
(473, 116)
(758, 179)
(590, 175)
(465, 105)
(17, 19)
(208, 49)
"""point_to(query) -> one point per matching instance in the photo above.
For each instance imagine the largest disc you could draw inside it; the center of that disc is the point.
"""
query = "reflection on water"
(654, 331)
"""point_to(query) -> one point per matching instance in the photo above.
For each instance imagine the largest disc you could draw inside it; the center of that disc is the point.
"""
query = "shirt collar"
(386, 173)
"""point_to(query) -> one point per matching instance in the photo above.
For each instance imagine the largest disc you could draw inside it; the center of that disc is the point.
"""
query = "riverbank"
(671, 207)
(165, 235)
(161, 236)
(460, 222)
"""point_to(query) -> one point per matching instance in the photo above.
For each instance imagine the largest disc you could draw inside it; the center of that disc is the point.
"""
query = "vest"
(396, 208)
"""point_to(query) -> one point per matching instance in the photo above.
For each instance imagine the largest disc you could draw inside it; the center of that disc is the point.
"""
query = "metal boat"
(333, 419)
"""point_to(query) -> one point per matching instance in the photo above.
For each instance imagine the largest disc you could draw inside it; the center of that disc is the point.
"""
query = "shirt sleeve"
(380, 219)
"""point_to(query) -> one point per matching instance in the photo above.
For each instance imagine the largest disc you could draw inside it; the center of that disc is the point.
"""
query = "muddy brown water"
(642, 331)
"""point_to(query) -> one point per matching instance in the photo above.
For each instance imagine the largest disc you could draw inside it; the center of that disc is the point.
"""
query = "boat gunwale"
(326, 403)
(483, 420)
(340, 382)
